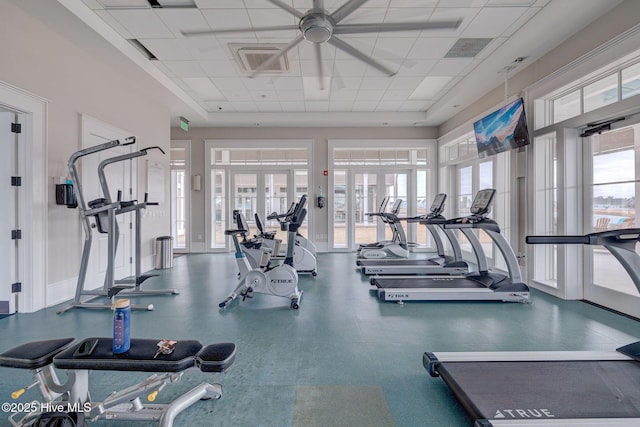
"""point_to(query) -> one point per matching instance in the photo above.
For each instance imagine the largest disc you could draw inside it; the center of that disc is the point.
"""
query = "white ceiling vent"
(250, 57)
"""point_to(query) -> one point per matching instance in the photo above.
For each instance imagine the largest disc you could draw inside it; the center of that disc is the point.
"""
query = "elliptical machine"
(280, 280)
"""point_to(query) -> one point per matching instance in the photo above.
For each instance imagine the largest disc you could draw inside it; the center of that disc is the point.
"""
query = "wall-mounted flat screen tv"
(502, 130)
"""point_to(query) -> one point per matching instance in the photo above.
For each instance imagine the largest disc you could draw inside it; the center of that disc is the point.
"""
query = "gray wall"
(50, 53)
(319, 136)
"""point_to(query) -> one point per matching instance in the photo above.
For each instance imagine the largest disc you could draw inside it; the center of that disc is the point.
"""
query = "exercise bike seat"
(34, 354)
(142, 357)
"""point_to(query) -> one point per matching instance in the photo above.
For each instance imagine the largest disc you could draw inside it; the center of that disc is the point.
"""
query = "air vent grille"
(250, 57)
(467, 48)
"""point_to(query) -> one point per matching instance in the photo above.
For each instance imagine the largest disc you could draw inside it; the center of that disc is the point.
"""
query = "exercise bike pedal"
(247, 294)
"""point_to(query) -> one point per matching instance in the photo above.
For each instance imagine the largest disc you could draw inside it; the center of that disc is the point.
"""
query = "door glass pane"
(465, 197)
(613, 202)
(339, 209)
(423, 237)
(396, 188)
(218, 209)
(485, 180)
(365, 202)
(301, 184)
(245, 196)
(275, 200)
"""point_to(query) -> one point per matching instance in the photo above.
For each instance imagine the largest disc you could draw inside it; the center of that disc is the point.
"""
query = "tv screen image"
(502, 130)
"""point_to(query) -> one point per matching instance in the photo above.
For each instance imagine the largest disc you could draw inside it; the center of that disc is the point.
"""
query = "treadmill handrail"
(621, 243)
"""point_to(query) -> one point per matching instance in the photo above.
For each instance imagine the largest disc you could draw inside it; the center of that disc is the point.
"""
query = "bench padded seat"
(216, 357)
(139, 358)
(34, 354)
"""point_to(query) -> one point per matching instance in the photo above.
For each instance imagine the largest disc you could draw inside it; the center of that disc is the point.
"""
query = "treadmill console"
(438, 204)
(482, 202)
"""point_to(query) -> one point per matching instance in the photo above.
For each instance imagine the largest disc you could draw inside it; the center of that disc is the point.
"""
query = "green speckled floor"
(341, 336)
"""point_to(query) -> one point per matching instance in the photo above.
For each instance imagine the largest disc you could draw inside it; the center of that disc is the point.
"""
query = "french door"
(251, 192)
(356, 193)
(611, 202)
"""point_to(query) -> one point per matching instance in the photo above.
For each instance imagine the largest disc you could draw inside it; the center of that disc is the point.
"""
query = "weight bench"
(80, 357)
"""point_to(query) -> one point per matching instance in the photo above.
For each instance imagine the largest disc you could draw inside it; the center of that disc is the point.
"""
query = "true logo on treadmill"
(523, 413)
(277, 281)
(401, 296)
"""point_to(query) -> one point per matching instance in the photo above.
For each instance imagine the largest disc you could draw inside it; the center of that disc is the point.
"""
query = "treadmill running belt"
(426, 283)
(545, 390)
(394, 262)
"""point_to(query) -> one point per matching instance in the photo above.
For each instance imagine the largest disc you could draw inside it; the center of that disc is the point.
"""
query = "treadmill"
(443, 264)
(397, 248)
(561, 388)
(482, 285)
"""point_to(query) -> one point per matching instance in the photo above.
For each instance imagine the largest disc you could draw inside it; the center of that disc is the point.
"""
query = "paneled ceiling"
(430, 81)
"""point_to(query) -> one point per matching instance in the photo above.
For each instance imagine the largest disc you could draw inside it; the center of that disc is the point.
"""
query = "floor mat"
(341, 405)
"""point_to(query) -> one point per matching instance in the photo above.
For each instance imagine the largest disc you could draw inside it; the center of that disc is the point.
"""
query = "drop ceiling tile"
(416, 3)
(141, 23)
(523, 19)
(375, 83)
(290, 95)
(493, 21)
(219, 106)
(263, 4)
(431, 48)
(352, 83)
(137, 4)
(364, 106)
(342, 94)
(219, 68)
(397, 95)
(350, 68)
(451, 14)
(185, 68)
(113, 23)
(400, 14)
(307, 51)
(258, 83)
(219, 4)
(292, 106)
(236, 95)
(269, 107)
(405, 83)
(229, 83)
(370, 95)
(168, 49)
(420, 67)
(310, 68)
(244, 106)
(204, 88)
(287, 83)
(316, 105)
(182, 20)
(273, 17)
(363, 45)
(386, 105)
(182, 85)
(393, 48)
(366, 15)
(219, 19)
(264, 96)
(451, 67)
(430, 87)
(340, 105)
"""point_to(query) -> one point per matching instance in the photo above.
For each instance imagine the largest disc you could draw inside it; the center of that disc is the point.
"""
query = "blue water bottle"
(121, 326)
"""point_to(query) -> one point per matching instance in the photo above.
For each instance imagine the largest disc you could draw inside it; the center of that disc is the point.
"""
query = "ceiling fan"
(319, 26)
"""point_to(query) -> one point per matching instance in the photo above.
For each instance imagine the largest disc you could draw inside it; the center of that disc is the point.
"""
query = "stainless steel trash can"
(164, 252)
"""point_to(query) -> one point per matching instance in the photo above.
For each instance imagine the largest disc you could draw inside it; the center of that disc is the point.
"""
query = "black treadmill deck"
(545, 390)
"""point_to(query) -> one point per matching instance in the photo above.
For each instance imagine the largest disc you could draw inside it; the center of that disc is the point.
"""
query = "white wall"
(48, 52)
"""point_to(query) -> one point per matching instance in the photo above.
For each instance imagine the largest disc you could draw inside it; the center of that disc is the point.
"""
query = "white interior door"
(120, 176)
(8, 252)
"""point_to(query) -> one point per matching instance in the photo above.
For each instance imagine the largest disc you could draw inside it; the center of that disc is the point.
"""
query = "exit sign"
(184, 124)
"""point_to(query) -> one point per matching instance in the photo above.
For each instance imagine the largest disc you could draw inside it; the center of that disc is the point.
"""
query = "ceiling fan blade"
(347, 48)
(317, 47)
(199, 33)
(266, 64)
(346, 9)
(291, 10)
(395, 26)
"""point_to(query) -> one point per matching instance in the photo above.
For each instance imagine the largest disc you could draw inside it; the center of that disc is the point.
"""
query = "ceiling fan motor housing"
(316, 27)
